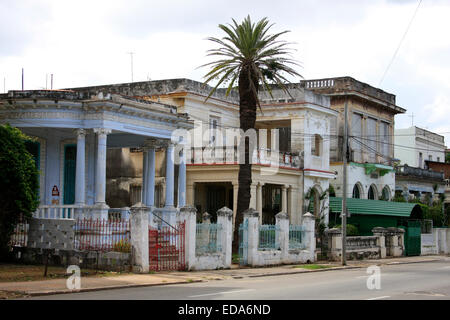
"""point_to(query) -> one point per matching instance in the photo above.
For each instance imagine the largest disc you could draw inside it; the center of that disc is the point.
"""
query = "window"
(430, 157)
(438, 159)
(356, 193)
(420, 159)
(384, 139)
(356, 131)
(371, 139)
(386, 194)
(316, 145)
(372, 193)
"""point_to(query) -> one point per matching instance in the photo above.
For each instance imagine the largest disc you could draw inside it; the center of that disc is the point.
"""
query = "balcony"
(420, 173)
(231, 155)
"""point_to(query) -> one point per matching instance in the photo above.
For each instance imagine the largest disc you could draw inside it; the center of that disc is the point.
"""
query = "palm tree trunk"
(247, 118)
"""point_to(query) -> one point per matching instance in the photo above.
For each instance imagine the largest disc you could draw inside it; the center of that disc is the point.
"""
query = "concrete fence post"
(309, 226)
(188, 215)
(381, 240)
(139, 237)
(225, 219)
(282, 235)
(252, 216)
(334, 243)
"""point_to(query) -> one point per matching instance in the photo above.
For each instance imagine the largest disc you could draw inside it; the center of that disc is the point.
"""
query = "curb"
(48, 293)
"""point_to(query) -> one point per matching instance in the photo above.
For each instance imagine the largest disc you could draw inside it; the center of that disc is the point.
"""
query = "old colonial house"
(72, 133)
(371, 114)
(287, 164)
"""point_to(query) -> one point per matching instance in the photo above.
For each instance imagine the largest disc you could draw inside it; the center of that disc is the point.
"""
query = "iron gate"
(243, 243)
(167, 248)
(412, 237)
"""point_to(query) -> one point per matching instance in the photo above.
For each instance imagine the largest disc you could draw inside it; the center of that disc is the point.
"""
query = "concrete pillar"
(170, 169)
(101, 210)
(150, 189)
(282, 235)
(224, 218)
(139, 237)
(334, 243)
(284, 198)
(182, 179)
(380, 233)
(259, 205)
(80, 181)
(253, 235)
(309, 225)
(188, 215)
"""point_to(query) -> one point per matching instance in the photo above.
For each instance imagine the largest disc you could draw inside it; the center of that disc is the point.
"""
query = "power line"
(400, 43)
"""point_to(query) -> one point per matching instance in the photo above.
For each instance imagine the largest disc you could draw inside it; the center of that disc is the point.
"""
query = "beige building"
(371, 114)
(286, 165)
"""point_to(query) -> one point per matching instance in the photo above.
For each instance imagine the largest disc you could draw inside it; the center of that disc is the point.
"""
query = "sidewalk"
(55, 286)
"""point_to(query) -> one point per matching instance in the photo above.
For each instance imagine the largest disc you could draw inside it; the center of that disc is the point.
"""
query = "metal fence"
(102, 235)
(19, 238)
(268, 237)
(296, 237)
(208, 238)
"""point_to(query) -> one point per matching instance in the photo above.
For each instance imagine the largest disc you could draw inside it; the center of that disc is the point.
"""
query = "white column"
(139, 237)
(150, 198)
(182, 179)
(170, 168)
(259, 201)
(80, 183)
(284, 198)
(100, 169)
(144, 177)
(235, 199)
(253, 196)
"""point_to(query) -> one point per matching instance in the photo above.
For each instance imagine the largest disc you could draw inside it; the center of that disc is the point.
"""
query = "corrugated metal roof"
(373, 207)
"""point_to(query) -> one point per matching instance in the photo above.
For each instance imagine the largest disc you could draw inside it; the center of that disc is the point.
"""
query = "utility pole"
(22, 79)
(131, 58)
(344, 187)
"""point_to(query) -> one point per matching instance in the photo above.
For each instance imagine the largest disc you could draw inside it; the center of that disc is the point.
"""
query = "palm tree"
(253, 58)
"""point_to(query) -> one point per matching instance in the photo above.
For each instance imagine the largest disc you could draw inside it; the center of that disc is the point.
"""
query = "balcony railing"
(231, 155)
(406, 170)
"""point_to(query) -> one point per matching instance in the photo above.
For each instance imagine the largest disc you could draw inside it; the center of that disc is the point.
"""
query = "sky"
(85, 43)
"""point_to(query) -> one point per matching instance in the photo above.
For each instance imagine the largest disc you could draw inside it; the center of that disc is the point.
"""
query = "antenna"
(131, 58)
(412, 118)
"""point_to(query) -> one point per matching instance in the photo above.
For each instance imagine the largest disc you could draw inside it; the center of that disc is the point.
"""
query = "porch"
(72, 135)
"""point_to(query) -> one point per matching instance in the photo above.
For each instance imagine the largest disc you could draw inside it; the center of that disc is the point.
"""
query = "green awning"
(374, 207)
(372, 167)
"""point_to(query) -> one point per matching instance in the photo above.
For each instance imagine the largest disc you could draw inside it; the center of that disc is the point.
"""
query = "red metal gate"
(167, 248)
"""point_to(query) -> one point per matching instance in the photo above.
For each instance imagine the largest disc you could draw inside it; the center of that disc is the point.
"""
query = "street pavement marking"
(223, 292)
(377, 298)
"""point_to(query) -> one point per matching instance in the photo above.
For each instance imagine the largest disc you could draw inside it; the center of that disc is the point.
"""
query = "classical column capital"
(102, 131)
(152, 143)
(80, 132)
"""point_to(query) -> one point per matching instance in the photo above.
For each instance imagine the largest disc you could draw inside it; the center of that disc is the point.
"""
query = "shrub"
(352, 230)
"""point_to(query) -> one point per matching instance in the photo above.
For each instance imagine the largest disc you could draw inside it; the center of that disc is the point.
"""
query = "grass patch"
(313, 266)
(24, 272)
(235, 258)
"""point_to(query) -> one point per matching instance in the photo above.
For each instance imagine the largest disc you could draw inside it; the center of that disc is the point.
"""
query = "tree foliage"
(18, 182)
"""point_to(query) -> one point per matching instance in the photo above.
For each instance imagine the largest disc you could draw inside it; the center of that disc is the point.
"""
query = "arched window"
(386, 194)
(356, 192)
(372, 195)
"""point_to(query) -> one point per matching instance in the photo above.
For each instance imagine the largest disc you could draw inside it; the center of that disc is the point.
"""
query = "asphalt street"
(430, 280)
